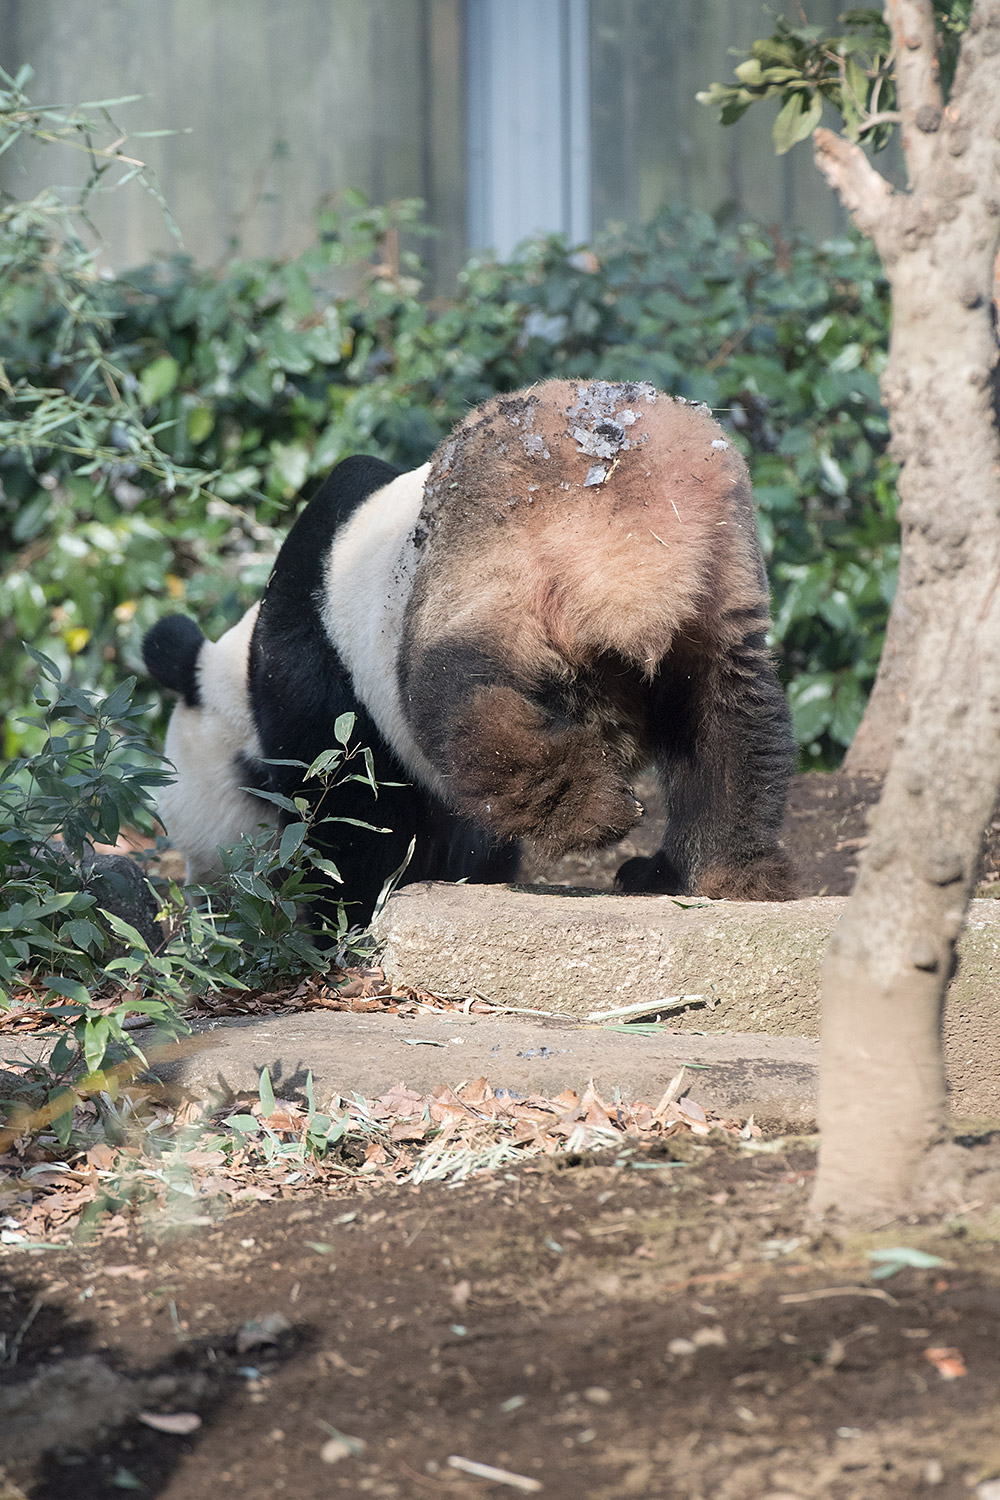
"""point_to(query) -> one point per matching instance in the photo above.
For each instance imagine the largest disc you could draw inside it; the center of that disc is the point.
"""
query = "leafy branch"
(853, 72)
(89, 410)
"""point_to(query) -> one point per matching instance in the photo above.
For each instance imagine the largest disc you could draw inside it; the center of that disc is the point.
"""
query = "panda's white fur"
(368, 579)
(210, 745)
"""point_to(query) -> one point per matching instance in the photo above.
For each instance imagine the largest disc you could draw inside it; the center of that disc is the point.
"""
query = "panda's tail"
(171, 649)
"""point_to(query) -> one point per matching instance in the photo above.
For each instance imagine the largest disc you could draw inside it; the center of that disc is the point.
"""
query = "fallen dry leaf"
(948, 1362)
(286, 1117)
(391, 1138)
(176, 1422)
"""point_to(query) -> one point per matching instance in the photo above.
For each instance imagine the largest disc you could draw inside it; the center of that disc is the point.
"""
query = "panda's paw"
(770, 877)
(655, 876)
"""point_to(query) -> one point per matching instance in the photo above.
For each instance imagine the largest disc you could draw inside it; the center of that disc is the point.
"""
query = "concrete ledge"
(576, 952)
(773, 1078)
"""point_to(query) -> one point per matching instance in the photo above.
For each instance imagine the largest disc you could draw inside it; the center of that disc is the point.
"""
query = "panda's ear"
(170, 650)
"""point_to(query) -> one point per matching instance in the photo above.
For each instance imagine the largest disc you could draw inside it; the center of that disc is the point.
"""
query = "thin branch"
(885, 117)
(918, 83)
(864, 192)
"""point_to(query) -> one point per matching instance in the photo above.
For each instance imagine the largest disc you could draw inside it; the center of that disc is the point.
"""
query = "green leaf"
(62, 1055)
(277, 798)
(61, 1105)
(326, 761)
(200, 424)
(749, 72)
(848, 708)
(71, 988)
(796, 121)
(125, 930)
(118, 701)
(811, 702)
(236, 482)
(84, 934)
(96, 1035)
(266, 1093)
(890, 1262)
(291, 841)
(258, 383)
(393, 880)
(290, 461)
(158, 379)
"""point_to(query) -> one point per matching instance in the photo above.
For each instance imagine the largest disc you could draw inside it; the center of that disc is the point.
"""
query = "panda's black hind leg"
(724, 753)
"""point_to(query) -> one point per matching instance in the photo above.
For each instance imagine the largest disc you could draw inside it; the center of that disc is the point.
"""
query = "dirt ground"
(658, 1321)
(597, 1330)
(825, 830)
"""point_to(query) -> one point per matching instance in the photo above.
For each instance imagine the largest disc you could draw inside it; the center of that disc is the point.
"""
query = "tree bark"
(882, 1092)
(923, 115)
(870, 751)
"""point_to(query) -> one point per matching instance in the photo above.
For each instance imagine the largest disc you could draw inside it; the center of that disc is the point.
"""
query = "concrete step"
(757, 963)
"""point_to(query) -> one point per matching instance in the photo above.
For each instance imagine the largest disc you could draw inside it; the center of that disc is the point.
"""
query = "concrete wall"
(279, 105)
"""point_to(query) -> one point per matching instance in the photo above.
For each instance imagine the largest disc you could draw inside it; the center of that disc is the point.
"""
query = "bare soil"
(664, 1325)
(649, 1329)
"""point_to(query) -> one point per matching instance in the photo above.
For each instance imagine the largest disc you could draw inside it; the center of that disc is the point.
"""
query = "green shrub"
(158, 428)
(63, 938)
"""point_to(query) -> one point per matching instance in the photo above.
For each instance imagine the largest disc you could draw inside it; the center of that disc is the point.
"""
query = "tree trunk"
(870, 751)
(882, 1096)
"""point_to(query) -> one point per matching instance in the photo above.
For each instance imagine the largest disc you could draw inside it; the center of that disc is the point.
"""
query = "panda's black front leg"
(724, 752)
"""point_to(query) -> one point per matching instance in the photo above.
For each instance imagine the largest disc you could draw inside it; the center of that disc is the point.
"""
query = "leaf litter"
(192, 1163)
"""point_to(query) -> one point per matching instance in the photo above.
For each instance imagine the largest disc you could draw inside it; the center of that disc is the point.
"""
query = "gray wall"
(286, 102)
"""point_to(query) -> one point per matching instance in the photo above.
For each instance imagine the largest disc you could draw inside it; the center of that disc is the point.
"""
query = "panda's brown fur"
(666, 539)
(590, 596)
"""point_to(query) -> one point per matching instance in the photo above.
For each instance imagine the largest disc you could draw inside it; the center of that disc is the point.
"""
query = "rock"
(120, 887)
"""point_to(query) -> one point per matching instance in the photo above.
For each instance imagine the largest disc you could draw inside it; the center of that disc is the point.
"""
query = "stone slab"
(758, 962)
(773, 1078)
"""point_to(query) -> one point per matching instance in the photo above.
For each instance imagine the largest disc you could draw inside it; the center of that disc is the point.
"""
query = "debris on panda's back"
(599, 428)
(606, 439)
(602, 398)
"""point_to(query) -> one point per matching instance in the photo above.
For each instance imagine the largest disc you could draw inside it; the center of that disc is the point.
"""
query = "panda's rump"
(206, 807)
(593, 519)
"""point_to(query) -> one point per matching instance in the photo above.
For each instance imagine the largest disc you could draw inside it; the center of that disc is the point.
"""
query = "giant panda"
(571, 589)
(211, 741)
